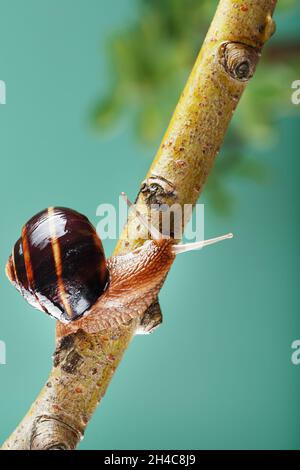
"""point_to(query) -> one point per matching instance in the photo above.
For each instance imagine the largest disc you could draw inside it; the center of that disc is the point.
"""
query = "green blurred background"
(90, 90)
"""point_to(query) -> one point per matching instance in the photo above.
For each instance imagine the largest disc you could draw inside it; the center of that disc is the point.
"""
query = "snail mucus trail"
(59, 267)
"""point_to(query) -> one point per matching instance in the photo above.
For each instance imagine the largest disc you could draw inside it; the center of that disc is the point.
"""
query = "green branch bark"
(84, 364)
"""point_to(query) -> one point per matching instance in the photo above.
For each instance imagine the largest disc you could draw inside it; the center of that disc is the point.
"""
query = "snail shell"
(58, 264)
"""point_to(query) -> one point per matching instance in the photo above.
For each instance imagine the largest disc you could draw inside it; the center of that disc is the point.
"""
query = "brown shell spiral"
(58, 263)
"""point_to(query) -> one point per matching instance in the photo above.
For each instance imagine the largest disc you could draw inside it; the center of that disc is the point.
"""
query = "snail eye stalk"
(198, 245)
(156, 235)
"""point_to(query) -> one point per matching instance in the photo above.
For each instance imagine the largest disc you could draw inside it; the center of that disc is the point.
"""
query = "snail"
(59, 267)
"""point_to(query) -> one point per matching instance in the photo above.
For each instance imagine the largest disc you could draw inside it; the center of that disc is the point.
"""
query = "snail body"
(135, 281)
(59, 266)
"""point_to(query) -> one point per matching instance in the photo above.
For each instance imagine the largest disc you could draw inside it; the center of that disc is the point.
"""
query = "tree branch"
(84, 364)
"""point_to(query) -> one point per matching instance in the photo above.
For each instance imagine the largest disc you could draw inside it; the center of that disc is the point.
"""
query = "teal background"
(218, 373)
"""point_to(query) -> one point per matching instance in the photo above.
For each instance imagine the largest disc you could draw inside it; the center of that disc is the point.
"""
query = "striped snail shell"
(58, 264)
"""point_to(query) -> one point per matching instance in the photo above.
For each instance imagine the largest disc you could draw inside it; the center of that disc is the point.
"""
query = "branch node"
(151, 320)
(50, 433)
(267, 29)
(66, 355)
(239, 60)
(158, 190)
